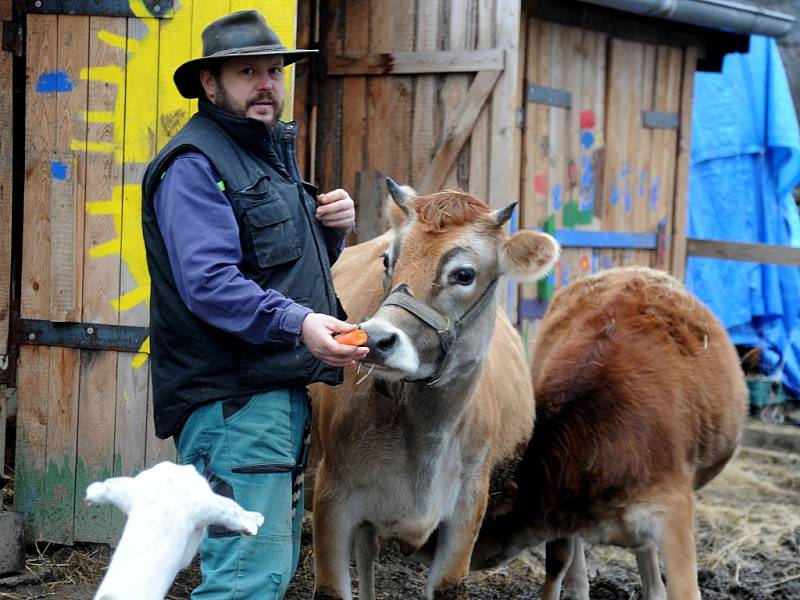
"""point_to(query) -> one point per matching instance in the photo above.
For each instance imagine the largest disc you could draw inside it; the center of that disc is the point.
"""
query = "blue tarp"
(745, 162)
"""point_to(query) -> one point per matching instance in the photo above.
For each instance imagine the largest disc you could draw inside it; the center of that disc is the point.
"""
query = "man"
(242, 309)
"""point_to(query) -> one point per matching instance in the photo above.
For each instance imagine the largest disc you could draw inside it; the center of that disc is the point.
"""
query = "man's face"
(248, 87)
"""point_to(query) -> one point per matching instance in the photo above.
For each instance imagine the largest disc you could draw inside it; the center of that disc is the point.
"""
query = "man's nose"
(265, 82)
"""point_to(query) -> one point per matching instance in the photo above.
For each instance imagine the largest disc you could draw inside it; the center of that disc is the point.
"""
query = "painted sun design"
(160, 48)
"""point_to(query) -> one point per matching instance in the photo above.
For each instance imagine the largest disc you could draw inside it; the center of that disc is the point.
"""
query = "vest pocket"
(273, 235)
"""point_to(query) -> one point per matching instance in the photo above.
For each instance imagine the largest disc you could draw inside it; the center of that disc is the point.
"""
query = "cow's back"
(621, 376)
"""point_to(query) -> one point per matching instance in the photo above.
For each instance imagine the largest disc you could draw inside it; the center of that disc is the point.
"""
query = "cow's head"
(440, 277)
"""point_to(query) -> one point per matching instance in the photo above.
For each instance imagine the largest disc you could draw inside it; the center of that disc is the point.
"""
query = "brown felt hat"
(241, 33)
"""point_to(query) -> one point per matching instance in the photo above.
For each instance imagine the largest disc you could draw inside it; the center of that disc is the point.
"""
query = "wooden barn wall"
(100, 102)
(595, 166)
(5, 193)
(410, 125)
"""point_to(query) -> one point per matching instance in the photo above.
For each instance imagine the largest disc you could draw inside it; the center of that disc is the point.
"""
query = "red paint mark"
(572, 172)
(540, 184)
(585, 263)
(587, 119)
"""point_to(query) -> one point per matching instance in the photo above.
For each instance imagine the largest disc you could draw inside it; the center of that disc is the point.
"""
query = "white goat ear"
(529, 255)
(118, 491)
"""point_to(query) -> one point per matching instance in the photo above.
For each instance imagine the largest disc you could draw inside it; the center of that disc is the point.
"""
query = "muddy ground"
(748, 538)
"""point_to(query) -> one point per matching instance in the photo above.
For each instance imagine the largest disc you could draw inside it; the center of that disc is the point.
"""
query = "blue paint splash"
(642, 179)
(564, 274)
(654, 191)
(628, 195)
(58, 170)
(587, 139)
(607, 264)
(614, 193)
(587, 182)
(54, 82)
(557, 196)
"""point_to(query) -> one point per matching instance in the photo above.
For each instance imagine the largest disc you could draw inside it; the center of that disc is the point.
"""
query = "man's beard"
(225, 103)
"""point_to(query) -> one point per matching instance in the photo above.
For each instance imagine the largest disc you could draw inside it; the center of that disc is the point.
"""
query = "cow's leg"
(677, 545)
(652, 585)
(366, 550)
(558, 558)
(576, 580)
(454, 542)
(333, 537)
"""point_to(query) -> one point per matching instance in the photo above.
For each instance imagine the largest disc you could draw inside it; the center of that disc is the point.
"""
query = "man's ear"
(209, 83)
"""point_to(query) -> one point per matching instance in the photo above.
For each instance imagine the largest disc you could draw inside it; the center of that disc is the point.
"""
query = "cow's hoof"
(454, 592)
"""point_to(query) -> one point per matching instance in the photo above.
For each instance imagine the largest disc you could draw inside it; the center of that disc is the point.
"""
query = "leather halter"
(447, 330)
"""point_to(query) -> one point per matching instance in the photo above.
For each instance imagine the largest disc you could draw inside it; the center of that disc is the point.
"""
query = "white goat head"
(168, 507)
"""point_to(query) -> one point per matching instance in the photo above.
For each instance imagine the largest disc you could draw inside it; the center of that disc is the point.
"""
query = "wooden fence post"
(370, 194)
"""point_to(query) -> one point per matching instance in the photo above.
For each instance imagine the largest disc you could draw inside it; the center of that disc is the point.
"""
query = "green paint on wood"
(28, 487)
(92, 523)
(58, 505)
(544, 287)
(573, 215)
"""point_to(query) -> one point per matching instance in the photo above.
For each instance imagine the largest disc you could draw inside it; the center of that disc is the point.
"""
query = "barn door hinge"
(12, 37)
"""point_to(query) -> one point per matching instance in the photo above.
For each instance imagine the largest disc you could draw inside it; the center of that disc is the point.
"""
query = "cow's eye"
(463, 276)
(386, 260)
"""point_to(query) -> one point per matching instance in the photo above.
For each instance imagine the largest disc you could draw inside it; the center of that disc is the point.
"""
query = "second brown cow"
(639, 401)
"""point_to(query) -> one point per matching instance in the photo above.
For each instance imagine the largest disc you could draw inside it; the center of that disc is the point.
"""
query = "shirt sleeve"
(202, 241)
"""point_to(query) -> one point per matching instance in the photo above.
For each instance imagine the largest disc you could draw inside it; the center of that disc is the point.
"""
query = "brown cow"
(408, 453)
(639, 401)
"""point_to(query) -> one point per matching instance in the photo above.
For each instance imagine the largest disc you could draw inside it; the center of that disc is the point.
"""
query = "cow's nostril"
(385, 344)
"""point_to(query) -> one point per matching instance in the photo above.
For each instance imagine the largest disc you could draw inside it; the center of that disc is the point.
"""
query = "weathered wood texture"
(594, 165)
(100, 102)
(425, 94)
(5, 188)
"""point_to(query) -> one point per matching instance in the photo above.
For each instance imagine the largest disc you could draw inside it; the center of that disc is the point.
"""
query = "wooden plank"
(505, 145)
(481, 132)
(643, 140)
(570, 164)
(557, 121)
(130, 425)
(305, 101)
(102, 232)
(423, 133)
(379, 119)
(95, 450)
(454, 91)
(30, 463)
(43, 83)
(592, 119)
(758, 253)
(680, 224)
(68, 184)
(174, 48)
(370, 191)
(328, 156)
(401, 107)
(40, 93)
(455, 137)
(354, 97)
(417, 62)
(5, 185)
(62, 430)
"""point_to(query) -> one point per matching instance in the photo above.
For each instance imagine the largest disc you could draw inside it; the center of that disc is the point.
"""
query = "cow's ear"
(529, 254)
(398, 204)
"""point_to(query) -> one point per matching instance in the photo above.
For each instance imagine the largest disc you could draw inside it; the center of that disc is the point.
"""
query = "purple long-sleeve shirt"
(202, 240)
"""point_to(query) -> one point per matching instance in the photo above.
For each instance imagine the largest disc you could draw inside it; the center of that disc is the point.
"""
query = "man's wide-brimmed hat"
(242, 33)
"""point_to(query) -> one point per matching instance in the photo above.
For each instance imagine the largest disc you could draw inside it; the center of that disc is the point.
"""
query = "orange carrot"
(357, 337)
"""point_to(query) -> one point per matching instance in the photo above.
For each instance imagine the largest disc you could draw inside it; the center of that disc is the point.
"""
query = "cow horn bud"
(397, 193)
(501, 215)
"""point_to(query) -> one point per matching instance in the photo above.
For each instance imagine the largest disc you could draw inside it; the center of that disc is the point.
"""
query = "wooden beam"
(758, 253)
(505, 162)
(454, 139)
(681, 212)
(5, 187)
(370, 193)
(406, 63)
